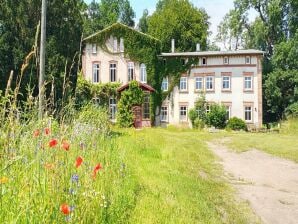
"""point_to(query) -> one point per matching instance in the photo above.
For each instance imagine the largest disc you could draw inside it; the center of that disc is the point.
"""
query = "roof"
(212, 53)
(119, 25)
(143, 86)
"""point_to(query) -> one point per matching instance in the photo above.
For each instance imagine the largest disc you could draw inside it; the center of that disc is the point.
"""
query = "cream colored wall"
(237, 97)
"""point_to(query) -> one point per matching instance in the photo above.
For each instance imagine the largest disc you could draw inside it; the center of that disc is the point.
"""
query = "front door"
(137, 116)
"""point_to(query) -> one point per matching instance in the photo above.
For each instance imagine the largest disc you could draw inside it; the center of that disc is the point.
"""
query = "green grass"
(283, 144)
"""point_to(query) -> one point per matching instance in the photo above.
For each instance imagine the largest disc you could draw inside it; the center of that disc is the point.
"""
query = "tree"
(92, 19)
(143, 22)
(181, 20)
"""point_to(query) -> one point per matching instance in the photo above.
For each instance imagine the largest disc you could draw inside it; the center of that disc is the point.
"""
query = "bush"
(199, 123)
(192, 115)
(217, 116)
(292, 110)
(236, 124)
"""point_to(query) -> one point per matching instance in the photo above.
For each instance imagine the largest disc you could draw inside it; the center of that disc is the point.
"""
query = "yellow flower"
(3, 180)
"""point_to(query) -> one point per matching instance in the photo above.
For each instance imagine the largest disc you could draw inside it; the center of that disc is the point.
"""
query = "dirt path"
(269, 184)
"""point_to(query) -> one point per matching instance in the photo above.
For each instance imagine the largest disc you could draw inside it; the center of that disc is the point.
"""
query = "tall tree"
(181, 20)
(92, 19)
(143, 22)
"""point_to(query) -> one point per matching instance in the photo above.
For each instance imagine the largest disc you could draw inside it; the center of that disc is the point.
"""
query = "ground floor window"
(146, 107)
(164, 114)
(183, 113)
(228, 114)
(248, 113)
(208, 109)
(113, 108)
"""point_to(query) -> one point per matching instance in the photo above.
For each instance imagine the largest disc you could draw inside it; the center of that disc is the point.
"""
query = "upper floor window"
(94, 49)
(131, 71)
(248, 113)
(209, 83)
(143, 73)
(183, 83)
(95, 72)
(121, 45)
(247, 60)
(226, 82)
(115, 45)
(165, 84)
(113, 108)
(226, 60)
(199, 83)
(146, 107)
(204, 61)
(247, 82)
(164, 114)
(113, 72)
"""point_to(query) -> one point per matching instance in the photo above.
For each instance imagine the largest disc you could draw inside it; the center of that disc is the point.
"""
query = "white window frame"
(208, 82)
(165, 84)
(228, 110)
(246, 81)
(208, 109)
(197, 81)
(121, 45)
(183, 109)
(94, 48)
(226, 60)
(247, 60)
(113, 71)
(183, 84)
(225, 79)
(143, 72)
(115, 45)
(113, 107)
(164, 114)
(130, 71)
(95, 72)
(246, 110)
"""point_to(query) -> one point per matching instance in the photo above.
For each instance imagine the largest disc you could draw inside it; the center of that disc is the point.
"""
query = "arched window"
(143, 73)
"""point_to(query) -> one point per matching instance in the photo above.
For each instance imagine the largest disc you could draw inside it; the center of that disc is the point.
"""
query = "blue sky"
(216, 9)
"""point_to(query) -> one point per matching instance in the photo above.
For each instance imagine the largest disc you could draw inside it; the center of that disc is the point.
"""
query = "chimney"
(198, 47)
(173, 45)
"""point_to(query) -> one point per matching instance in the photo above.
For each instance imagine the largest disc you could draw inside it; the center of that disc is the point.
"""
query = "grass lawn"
(179, 181)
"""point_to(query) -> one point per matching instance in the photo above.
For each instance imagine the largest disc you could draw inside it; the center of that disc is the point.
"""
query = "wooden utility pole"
(42, 59)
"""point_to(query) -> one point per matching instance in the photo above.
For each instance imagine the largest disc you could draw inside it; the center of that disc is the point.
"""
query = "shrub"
(217, 116)
(236, 124)
(192, 115)
(292, 110)
(199, 123)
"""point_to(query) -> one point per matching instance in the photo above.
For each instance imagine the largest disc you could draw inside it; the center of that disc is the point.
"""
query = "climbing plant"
(129, 98)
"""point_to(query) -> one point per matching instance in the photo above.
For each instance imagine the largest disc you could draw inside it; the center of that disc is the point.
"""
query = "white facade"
(232, 78)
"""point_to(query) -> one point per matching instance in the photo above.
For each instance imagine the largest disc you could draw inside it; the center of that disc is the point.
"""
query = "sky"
(216, 9)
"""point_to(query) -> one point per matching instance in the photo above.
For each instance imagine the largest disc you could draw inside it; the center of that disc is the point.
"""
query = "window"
(164, 114)
(95, 72)
(143, 73)
(165, 84)
(183, 113)
(248, 113)
(94, 49)
(228, 110)
(247, 60)
(131, 69)
(226, 82)
(113, 69)
(121, 45)
(204, 61)
(199, 83)
(113, 108)
(208, 109)
(115, 45)
(247, 82)
(146, 107)
(209, 83)
(226, 60)
(183, 83)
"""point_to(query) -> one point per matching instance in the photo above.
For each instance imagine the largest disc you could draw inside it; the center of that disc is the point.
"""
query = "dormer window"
(226, 60)
(247, 60)
(94, 49)
(204, 61)
(121, 45)
(115, 45)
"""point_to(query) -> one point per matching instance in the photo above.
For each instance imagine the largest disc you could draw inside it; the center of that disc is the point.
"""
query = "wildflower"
(49, 166)
(75, 178)
(65, 145)
(72, 191)
(36, 133)
(65, 209)
(3, 180)
(96, 169)
(47, 131)
(79, 161)
(53, 143)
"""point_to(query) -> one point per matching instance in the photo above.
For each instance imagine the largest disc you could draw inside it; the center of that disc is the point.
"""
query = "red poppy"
(53, 143)
(79, 161)
(96, 169)
(36, 133)
(65, 145)
(65, 209)
(47, 131)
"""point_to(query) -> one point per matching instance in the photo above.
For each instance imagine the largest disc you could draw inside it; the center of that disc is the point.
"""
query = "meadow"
(84, 171)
